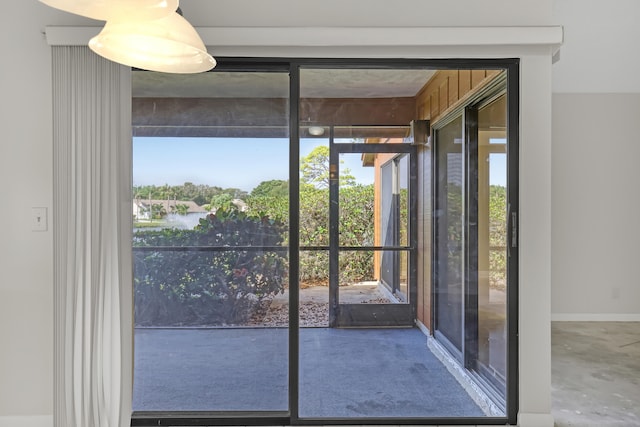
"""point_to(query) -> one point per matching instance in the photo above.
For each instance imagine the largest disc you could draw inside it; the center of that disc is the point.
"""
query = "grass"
(149, 224)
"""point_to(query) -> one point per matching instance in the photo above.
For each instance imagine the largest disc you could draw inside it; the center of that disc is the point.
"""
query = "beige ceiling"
(314, 83)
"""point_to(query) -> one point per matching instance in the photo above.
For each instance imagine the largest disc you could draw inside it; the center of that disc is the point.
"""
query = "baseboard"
(595, 317)
(535, 420)
(460, 374)
(423, 328)
(27, 421)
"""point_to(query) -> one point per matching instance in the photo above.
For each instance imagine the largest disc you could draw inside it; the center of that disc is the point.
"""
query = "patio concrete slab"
(350, 294)
(344, 373)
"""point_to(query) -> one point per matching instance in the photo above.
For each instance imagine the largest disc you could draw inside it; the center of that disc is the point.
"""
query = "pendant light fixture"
(169, 45)
(146, 34)
(116, 10)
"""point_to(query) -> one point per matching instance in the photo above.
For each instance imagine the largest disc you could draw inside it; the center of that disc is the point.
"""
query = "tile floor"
(595, 374)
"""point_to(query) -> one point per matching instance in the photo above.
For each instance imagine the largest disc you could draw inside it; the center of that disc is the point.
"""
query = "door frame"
(468, 354)
(373, 314)
(512, 68)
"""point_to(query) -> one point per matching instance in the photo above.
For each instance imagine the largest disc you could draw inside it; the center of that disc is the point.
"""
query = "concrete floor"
(595, 374)
(344, 373)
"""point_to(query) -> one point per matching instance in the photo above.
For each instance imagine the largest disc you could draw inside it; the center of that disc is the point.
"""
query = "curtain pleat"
(92, 262)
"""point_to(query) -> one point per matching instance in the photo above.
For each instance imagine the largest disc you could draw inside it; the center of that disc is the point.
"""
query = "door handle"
(512, 229)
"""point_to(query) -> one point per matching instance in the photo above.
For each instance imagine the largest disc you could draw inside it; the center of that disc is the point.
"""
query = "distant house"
(142, 207)
(240, 204)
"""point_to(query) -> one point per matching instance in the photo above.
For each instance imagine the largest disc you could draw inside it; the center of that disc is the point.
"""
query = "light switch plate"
(38, 219)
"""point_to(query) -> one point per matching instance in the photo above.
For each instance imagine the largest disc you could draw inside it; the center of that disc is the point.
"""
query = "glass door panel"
(372, 189)
(471, 259)
(492, 243)
(346, 365)
(449, 220)
(394, 230)
(314, 227)
(404, 209)
(214, 334)
(210, 244)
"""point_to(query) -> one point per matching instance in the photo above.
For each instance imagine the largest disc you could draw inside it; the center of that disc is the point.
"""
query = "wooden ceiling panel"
(260, 117)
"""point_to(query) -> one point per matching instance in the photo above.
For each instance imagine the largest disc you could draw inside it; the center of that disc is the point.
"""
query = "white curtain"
(92, 262)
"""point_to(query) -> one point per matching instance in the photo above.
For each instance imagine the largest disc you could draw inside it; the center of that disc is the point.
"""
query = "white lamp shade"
(116, 10)
(168, 45)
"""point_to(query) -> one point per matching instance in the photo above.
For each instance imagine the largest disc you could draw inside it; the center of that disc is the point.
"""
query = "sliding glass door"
(492, 246)
(210, 213)
(449, 237)
(302, 234)
(472, 256)
(388, 243)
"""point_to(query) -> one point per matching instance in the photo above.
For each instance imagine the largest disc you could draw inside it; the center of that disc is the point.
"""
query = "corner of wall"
(535, 420)
(27, 421)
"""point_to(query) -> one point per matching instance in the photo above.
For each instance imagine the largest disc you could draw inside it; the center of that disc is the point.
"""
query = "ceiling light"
(169, 45)
(116, 10)
(316, 130)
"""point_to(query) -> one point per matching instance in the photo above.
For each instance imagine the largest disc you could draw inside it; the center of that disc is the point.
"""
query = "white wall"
(599, 53)
(26, 257)
(596, 149)
(362, 13)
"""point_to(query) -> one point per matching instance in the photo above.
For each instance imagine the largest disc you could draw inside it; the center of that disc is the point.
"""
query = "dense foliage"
(199, 193)
(356, 229)
(314, 169)
(497, 236)
(211, 287)
(207, 287)
(272, 188)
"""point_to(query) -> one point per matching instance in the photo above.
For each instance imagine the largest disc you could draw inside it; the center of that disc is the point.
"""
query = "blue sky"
(234, 162)
(225, 162)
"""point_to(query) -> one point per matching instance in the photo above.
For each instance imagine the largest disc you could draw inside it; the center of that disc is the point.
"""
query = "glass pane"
(314, 289)
(348, 371)
(314, 228)
(362, 283)
(210, 242)
(357, 200)
(450, 246)
(403, 285)
(492, 242)
(368, 134)
(403, 199)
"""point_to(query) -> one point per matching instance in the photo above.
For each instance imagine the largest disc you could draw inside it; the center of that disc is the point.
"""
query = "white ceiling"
(314, 83)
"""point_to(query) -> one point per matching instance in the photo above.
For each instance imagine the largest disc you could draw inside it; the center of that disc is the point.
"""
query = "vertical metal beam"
(435, 223)
(471, 319)
(334, 229)
(513, 150)
(413, 232)
(395, 222)
(294, 239)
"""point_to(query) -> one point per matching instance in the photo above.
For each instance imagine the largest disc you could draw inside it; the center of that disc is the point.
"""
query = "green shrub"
(498, 236)
(356, 229)
(192, 286)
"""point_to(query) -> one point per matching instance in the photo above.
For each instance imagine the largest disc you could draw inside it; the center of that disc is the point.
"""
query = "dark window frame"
(292, 66)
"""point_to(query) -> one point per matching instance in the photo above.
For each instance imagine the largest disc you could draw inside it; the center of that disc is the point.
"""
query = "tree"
(198, 193)
(272, 188)
(223, 201)
(315, 169)
(180, 209)
(270, 198)
(158, 211)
